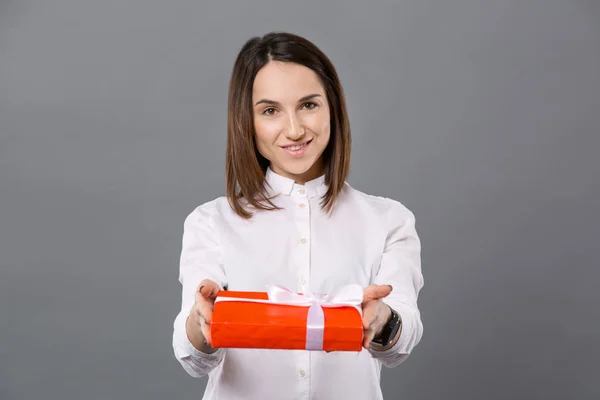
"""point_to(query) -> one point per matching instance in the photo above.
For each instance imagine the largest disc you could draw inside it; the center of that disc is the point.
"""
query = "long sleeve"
(200, 259)
(400, 267)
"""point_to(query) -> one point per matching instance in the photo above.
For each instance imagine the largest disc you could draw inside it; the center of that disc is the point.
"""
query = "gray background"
(480, 116)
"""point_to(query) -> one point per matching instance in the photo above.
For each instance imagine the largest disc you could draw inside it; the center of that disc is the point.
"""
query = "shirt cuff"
(409, 337)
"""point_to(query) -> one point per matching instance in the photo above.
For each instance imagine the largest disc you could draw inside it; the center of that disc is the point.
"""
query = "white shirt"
(365, 240)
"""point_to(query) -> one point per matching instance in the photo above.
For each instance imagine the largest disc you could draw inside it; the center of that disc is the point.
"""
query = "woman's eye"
(269, 111)
(310, 105)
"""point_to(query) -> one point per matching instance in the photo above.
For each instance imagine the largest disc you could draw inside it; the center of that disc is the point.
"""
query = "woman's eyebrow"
(276, 103)
(310, 96)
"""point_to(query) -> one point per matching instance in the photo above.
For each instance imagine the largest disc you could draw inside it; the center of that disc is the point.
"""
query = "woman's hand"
(198, 322)
(375, 312)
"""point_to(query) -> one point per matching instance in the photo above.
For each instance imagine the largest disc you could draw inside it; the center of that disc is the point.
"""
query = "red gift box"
(280, 319)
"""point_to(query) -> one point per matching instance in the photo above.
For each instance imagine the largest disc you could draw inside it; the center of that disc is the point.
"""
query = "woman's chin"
(297, 168)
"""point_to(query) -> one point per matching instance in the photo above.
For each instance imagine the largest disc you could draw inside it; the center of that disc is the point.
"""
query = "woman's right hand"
(198, 322)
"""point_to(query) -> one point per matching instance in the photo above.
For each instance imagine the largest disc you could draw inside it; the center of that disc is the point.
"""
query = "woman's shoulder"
(379, 204)
(209, 210)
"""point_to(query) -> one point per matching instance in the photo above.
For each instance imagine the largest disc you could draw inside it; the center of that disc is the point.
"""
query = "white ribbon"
(345, 296)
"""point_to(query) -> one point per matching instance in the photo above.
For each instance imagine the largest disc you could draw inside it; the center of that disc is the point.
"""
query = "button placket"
(302, 217)
(301, 213)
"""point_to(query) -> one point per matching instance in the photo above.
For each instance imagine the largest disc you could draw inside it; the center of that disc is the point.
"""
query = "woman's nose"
(294, 129)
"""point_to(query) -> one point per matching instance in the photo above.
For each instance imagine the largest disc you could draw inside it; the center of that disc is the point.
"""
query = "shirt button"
(302, 205)
(301, 191)
(303, 241)
(301, 373)
(302, 281)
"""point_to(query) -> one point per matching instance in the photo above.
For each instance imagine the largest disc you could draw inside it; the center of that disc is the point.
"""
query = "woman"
(289, 217)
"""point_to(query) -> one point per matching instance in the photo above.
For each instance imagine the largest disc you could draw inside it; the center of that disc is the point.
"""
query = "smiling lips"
(296, 149)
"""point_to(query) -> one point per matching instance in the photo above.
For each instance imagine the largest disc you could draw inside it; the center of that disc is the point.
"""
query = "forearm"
(201, 259)
(196, 359)
(400, 267)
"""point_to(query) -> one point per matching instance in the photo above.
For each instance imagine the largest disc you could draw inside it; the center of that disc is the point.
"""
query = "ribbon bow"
(345, 296)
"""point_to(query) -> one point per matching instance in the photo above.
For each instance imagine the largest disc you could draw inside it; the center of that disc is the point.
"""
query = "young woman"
(289, 217)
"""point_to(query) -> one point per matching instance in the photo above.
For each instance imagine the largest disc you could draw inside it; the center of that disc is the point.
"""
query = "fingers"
(369, 315)
(369, 335)
(205, 327)
(203, 316)
(207, 311)
(204, 308)
(205, 298)
(369, 319)
(374, 292)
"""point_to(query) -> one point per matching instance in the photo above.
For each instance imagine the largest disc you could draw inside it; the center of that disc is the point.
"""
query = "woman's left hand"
(375, 312)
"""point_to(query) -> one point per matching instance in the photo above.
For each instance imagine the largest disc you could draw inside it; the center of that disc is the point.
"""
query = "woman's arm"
(400, 268)
(200, 260)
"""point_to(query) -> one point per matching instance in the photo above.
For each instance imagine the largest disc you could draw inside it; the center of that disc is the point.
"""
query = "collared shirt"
(367, 239)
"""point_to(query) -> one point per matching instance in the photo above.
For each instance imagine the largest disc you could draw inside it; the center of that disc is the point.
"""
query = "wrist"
(388, 317)
(389, 334)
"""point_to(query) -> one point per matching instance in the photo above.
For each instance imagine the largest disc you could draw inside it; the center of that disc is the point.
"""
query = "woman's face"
(291, 119)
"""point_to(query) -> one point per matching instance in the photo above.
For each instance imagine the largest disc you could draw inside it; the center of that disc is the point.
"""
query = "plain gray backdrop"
(482, 117)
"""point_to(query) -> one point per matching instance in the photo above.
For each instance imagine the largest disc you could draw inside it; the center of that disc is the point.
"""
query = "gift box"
(280, 319)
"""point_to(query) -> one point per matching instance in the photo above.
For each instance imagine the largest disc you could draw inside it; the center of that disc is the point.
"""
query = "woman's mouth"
(297, 149)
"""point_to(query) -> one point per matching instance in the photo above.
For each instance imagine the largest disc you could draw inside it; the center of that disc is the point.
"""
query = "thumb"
(374, 292)
(208, 289)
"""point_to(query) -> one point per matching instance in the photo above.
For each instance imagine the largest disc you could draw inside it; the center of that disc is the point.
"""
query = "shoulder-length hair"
(245, 166)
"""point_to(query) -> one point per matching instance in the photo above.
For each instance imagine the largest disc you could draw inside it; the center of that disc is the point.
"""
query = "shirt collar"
(280, 184)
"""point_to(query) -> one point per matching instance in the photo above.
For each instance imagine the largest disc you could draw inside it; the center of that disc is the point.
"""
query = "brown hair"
(245, 166)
